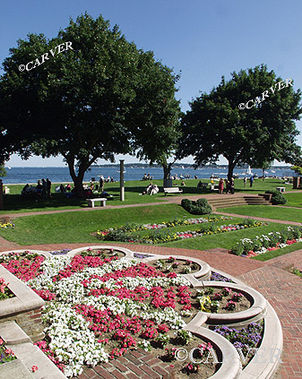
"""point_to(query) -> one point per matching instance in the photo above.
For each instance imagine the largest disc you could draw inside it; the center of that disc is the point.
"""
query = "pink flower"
(9, 351)
(34, 368)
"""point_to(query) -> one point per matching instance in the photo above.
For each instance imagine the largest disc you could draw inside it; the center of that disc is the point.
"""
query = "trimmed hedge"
(199, 207)
(277, 197)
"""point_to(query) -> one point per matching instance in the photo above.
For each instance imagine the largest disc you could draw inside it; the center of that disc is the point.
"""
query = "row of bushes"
(245, 245)
(199, 207)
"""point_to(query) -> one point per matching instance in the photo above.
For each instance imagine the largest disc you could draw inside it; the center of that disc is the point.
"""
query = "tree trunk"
(167, 171)
(263, 174)
(230, 169)
(167, 182)
(77, 179)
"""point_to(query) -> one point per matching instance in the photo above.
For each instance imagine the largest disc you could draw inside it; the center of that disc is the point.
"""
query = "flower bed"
(247, 247)
(221, 300)
(179, 266)
(133, 227)
(245, 340)
(98, 307)
(220, 278)
(5, 292)
(103, 253)
(202, 351)
(6, 225)
(6, 354)
(162, 236)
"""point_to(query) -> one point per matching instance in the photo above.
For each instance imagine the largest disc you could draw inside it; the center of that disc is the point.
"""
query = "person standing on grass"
(251, 181)
(244, 181)
(220, 186)
(101, 183)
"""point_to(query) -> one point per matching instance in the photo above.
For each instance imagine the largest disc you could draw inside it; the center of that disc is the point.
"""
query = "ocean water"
(61, 174)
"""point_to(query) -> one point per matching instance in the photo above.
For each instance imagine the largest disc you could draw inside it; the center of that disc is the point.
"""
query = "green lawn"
(293, 199)
(73, 227)
(77, 226)
(13, 203)
(278, 213)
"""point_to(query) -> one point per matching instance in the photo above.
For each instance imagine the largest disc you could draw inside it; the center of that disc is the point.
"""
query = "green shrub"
(277, 197)
(199, 207)
(237, 249)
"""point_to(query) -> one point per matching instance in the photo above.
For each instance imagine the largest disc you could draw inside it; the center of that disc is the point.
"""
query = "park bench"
(172, 190)
(214, 187)
(92, 201)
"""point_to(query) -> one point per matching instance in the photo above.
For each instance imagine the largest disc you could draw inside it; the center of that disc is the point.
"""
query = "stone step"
(228, 201)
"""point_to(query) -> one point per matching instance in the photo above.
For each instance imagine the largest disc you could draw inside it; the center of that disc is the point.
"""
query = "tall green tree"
(264, 131)
(98, 97)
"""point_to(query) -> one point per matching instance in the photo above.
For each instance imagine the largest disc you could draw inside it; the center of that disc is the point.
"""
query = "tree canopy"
(100, 96)
(261, 132)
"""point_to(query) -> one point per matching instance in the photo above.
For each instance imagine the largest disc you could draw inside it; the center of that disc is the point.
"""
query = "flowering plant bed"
(247, 247)
(220, 278)
(221, 300)
(5, 292)
(133, 227)
(179, 266)
(98, 307)
(24, 265)
(6, 354)
(245, 340)
(202, 365)
(103, 253)
(6, 225)
(162, 236)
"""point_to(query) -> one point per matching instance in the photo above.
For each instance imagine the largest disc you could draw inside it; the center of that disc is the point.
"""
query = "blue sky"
(204, 39)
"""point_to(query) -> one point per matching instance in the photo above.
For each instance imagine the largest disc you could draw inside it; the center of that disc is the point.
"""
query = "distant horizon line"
(146, 164)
